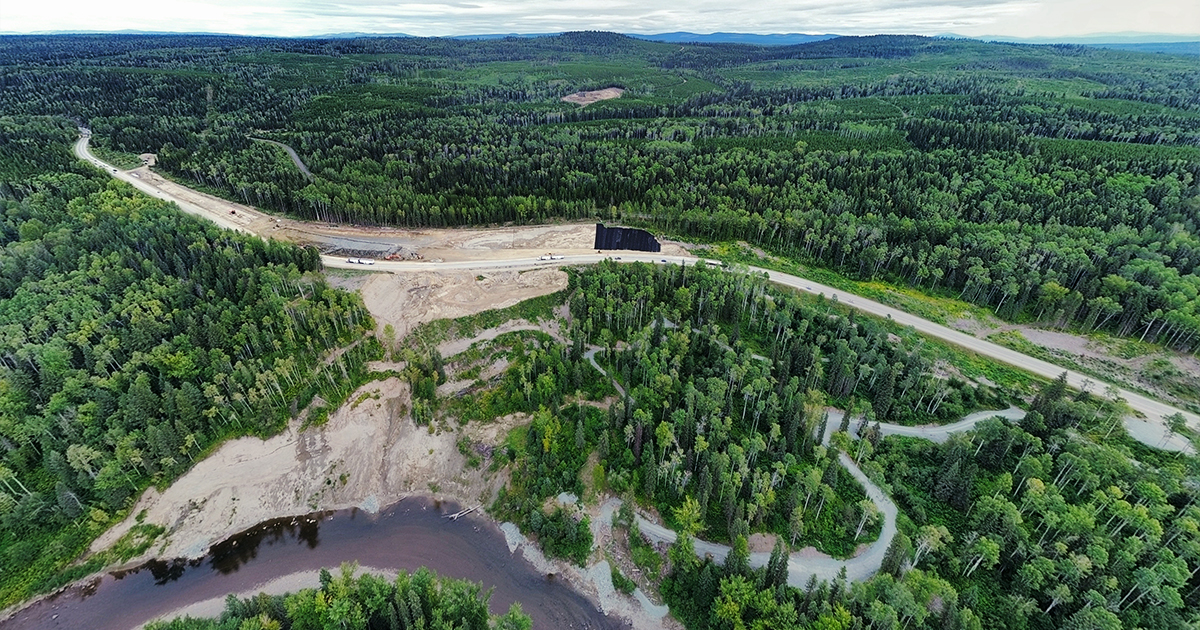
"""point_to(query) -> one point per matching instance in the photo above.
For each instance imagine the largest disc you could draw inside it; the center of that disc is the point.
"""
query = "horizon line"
(1144, 37)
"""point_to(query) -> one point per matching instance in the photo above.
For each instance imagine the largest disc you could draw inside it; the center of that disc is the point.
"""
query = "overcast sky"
(1014, 18)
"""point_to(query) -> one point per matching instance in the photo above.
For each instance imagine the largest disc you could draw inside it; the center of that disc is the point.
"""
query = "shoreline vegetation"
(417, 600)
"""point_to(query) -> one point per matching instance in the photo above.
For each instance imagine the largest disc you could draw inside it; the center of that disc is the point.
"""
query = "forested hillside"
(132, 339)
(1058, 521)
(711, 427)
(1054, 183)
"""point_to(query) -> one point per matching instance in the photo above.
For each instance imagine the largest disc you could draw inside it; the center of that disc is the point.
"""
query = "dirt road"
(806, 563)
(291, 153)
(133, 178)
(934, 432)
(1154, 411)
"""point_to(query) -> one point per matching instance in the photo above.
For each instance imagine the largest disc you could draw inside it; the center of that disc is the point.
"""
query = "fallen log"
(461, 513)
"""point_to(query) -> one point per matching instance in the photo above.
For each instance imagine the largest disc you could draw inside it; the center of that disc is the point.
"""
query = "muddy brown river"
(408, 535)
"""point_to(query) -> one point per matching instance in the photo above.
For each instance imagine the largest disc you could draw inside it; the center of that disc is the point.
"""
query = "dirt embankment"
(406, 300)
(369, 454)
(593, 96)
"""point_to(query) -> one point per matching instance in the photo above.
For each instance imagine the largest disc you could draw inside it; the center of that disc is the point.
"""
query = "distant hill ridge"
(772, 39)
(1138, 42)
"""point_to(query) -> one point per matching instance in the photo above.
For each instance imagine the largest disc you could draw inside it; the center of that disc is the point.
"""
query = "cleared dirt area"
(1168, 375)
(406, 300)
(587, 98)
(467, 244)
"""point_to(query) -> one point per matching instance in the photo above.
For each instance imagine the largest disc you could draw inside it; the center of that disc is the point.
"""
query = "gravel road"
(291, 153)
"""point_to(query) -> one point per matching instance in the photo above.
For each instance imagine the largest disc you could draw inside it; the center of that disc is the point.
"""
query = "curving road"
(83, 153)
(1151, 409)
(801, 566)
(938, 433)
(804, 565)
(291, 153)
(590, 355)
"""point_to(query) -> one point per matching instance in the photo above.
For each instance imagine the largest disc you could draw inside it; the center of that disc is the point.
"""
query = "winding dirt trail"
(804, 564)
(291, 153)
(938, 433)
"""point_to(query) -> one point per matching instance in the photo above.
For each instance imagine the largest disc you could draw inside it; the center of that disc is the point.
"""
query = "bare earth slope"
(408, 299)
(367, 455)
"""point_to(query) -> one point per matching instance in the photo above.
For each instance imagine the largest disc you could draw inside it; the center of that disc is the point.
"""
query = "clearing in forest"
(587, 98)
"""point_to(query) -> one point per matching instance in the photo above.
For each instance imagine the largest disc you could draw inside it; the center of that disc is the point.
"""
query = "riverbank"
(368, 454)
(285, 554)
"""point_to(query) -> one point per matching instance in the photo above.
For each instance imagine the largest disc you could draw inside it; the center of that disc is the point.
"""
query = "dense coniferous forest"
(742, 431)
(1050, 183)
(1054, 183)
(1059, 520)
(132, 339)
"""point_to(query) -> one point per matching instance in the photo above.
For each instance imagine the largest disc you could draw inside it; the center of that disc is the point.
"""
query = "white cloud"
(457, 17)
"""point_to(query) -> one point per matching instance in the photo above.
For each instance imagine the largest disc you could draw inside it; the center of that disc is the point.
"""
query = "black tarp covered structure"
(626, 238)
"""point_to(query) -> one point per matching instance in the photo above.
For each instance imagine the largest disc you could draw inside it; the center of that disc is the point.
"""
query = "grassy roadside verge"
(1014, 383)
(946, 310)
(1012, 339)
(941, 310)
(119, 159)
